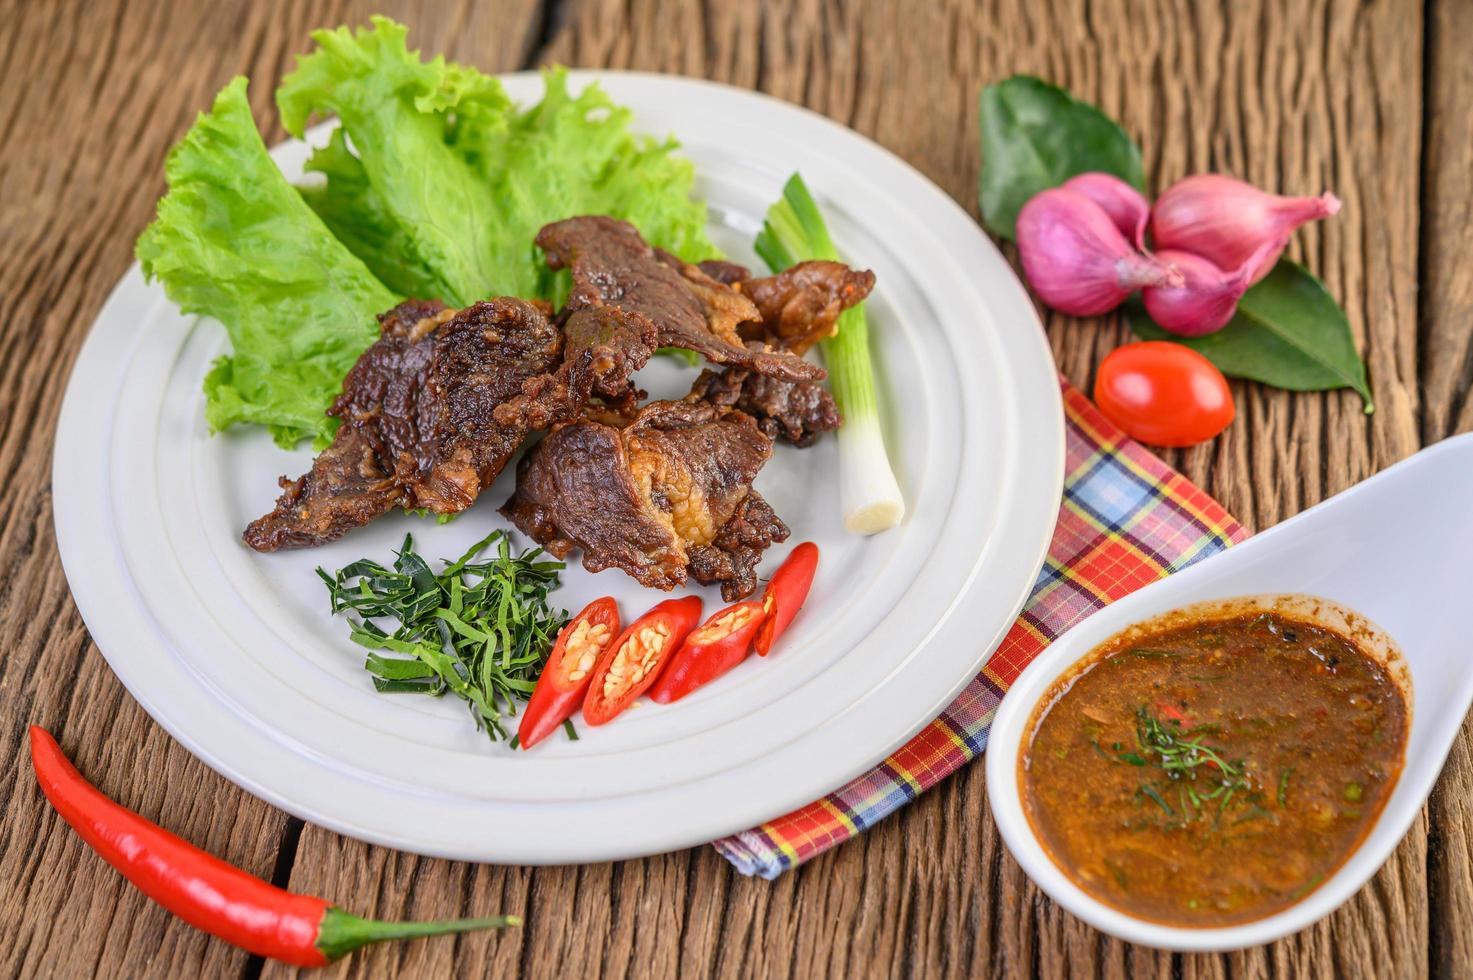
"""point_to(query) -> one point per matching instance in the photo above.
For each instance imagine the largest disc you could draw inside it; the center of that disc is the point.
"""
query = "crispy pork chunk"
(419, 424)
(433, 410)
(603, 346)
(801, 306)
(665, 497)
(798, 411)
(613, 266)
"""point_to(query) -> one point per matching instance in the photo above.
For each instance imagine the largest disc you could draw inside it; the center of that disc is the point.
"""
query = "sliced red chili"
(632, 663)
(207, 892)
(569, 670)
(1171, 713)
(786, 593)
(722, 642)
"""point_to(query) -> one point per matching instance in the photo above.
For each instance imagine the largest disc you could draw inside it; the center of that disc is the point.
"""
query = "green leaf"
(441, 183)
(479, 630)
(396, 110)
(397, 669)
(576, 154)
(1289, 332)
(688, 357)
(234, 241)
(359, 218)
(434, 187)
(1036, 136)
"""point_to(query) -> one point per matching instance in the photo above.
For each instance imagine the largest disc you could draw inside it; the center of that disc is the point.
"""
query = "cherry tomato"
(1163, 393)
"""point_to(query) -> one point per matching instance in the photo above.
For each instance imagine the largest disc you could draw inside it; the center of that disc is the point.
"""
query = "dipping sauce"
(1209, 772)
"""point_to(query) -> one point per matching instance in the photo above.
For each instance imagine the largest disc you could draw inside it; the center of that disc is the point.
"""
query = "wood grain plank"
(81, 80)
(1447, 228)
(1447, 376)
(1296, 96)
(95, 95)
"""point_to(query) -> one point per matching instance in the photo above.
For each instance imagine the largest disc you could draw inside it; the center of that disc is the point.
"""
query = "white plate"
(236, 655)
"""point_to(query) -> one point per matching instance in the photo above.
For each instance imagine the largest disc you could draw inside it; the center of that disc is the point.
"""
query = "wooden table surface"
(1371, 99)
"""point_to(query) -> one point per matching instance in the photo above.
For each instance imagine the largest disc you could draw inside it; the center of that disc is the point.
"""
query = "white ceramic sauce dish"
(1394, 549)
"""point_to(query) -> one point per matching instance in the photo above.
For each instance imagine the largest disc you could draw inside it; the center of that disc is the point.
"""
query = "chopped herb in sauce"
(1284, 776)
(1201, 773)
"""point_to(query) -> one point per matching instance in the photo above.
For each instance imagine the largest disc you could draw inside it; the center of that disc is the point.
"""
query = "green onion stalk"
(793, 232)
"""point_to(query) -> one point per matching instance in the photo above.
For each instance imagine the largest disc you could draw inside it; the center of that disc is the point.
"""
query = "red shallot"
(1208, 297)
(1125, 205)
(1075, 257)
(1226, 220)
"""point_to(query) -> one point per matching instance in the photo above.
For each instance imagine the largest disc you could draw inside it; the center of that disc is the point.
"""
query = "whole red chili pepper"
(722, 642)
(785, 594)
(632, 663)
(207, 892)
(569, 670)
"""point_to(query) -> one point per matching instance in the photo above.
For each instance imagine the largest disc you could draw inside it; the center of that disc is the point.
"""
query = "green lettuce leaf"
(434, 186)
(397, 111)
(571, 155)
(360, 220)
(459, 226)
(233, 240)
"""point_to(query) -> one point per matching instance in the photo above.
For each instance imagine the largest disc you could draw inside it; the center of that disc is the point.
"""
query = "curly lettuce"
(575, 154)
(234, 240)
(349, 207)
(396, 110)
(434, 186)
(439, 184)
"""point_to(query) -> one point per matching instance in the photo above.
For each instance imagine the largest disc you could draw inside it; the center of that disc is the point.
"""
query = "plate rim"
(75, 409)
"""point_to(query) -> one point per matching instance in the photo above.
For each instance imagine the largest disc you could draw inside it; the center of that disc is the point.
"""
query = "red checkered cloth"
(1127, 519)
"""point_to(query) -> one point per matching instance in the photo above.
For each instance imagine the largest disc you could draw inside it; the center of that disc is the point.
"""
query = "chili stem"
(341, 932)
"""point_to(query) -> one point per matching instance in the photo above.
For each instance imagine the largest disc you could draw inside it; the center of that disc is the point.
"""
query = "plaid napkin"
(1127, 519)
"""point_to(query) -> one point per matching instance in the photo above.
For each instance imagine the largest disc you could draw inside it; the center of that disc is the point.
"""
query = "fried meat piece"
(419, 426)
(801, 306)
(603, 346)
(613, 266)
(665, 497)
(724, 271)
(798, 411)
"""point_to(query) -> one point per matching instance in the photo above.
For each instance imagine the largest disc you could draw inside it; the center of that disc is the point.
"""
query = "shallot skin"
(1075, 257)
(1125, 205)
(1226, 220)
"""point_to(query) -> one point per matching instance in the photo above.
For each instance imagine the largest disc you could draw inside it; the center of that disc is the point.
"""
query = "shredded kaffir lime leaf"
(1199, 773)
(481, 629)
